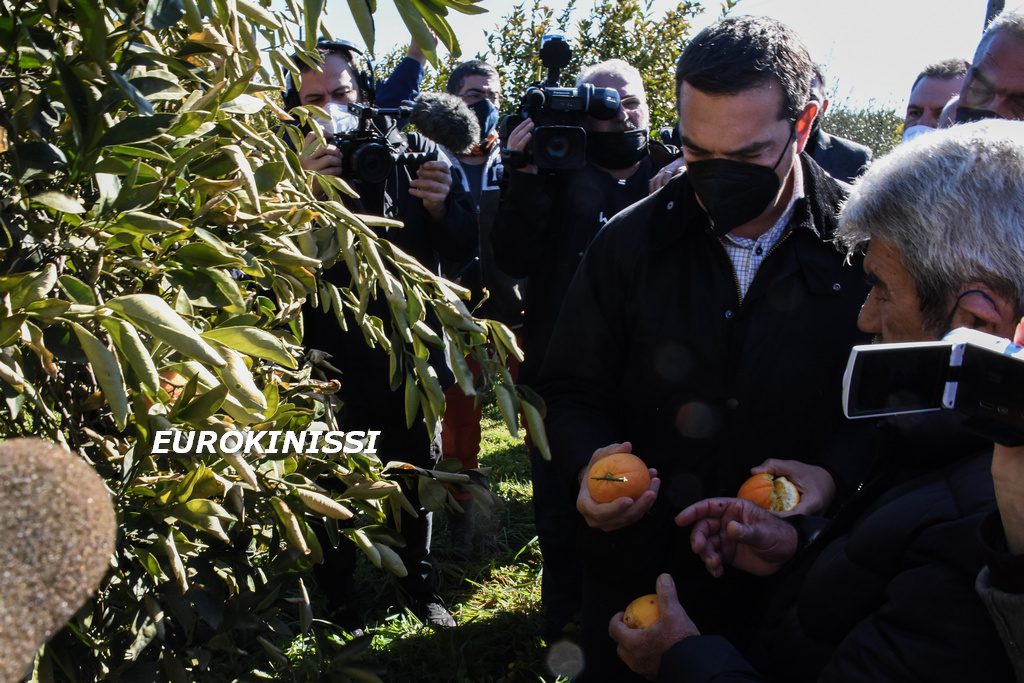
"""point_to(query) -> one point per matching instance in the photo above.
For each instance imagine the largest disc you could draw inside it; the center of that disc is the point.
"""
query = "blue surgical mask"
(487, 115)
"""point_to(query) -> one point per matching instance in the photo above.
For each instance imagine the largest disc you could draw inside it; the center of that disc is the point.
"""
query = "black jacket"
(844, 159)
(886, 592)
(544, 226)
(653, 345)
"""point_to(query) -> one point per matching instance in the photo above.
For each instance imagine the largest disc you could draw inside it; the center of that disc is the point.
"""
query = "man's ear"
(802, 127)
(982, 308)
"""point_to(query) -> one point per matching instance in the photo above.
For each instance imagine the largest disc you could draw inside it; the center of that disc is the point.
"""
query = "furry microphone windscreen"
(446, 120)
(57, 535)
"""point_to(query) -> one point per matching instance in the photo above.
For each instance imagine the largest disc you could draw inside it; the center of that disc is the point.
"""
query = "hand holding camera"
(519, 140)
(432, 184)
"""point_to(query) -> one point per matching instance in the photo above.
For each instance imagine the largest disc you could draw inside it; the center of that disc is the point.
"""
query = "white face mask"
(912, 132)
(341, 121)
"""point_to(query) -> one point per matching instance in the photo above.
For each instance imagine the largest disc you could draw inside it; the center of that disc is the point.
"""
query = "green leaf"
(312, 15)
(254, 12)
(137, 129)
(363, 16)
(10, 328)
(153, 315)
(237, 378)
(108, 373)
(391, 561)
(162, 85)
(205, 255)
(60, 202)
(204, 515)
(244, 104)
(128, 342)
(236, 154)
(81, 103)
(142, 105)
(269, 175)
(34, 286)
(418, 28)
(207, 404)
(535, 428)
(507, 404)
(79, 292)
(142, 223)
(164, 13)
(253, 341)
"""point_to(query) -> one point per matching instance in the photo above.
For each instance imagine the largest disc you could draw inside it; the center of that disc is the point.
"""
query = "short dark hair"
(946, 70)
(741, 53)
(325, 48)
(473, 67)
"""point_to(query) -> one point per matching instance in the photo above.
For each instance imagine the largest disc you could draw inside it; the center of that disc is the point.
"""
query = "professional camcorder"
(976, 374)
(368, 155)
(559, 141)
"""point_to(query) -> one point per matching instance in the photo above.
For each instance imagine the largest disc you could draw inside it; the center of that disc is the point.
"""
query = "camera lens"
(373, 163)
(557, 147)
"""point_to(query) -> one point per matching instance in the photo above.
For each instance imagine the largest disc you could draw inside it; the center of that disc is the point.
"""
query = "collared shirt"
(747, 254)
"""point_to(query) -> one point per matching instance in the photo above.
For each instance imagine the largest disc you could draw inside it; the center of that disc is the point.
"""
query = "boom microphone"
(57, 533)
(445, 119)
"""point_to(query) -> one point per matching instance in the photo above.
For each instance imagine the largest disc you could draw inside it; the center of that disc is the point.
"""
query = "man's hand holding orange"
(621, 512)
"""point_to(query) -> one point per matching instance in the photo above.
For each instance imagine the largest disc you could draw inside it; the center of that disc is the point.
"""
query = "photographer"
(885, 591)
(439, 222)
(544, 225)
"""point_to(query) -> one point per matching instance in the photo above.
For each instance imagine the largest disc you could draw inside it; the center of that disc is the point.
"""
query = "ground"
(494, 597)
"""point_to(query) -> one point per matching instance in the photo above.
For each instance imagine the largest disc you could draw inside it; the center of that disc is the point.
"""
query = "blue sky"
(872, 49)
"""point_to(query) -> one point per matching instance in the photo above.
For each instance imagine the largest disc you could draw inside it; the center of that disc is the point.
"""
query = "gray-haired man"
(885, 591)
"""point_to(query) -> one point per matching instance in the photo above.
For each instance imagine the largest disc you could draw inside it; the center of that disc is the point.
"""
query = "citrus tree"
(158, 242)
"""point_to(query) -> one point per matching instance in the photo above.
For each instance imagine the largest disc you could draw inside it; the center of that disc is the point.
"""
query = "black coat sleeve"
(454, 237)
(521, 226)
(930, 617)
(585, 358)
(706, 659)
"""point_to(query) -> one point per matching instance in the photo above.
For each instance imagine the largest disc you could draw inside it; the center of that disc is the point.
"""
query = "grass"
(494, 597)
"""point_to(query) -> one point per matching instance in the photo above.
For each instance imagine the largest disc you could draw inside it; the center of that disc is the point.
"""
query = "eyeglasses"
(980, 93)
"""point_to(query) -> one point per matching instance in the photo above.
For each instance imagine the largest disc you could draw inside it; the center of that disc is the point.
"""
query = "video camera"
(368, 155)
(978, 375)
(559, 141)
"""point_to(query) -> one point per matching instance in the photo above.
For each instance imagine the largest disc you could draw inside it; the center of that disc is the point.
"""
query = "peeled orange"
(777, 494)
(642, 612)
(618, 475)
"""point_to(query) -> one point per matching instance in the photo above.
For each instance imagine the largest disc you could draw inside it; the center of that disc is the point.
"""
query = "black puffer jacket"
(886, 592)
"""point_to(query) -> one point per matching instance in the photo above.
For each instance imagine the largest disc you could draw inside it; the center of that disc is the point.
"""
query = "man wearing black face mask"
(543, 227)
(994, 85)
(707, 329)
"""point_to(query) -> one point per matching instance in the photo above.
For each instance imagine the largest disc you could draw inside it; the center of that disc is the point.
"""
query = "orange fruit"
(777, 494)
(642, 612)
(618, 475)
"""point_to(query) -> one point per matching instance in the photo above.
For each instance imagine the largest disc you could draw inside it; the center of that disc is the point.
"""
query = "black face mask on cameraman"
(734, 192)
(616, 150)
